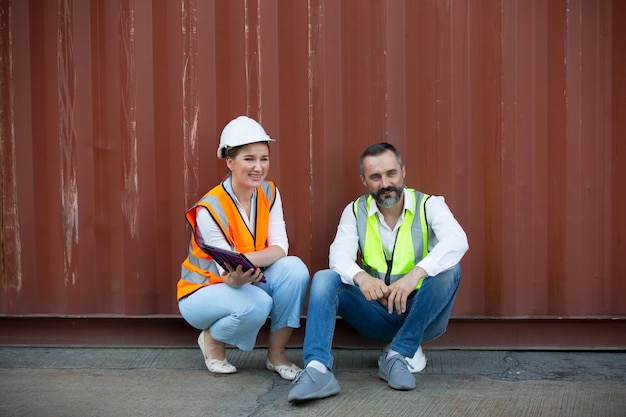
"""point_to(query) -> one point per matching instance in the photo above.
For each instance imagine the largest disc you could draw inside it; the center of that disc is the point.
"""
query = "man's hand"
(372, 288)
(400, 290)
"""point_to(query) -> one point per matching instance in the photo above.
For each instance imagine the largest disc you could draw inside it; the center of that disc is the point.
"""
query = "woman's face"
(250, 166)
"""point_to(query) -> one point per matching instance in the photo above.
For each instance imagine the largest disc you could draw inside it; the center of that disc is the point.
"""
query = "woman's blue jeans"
(426, 317)
(235, 315)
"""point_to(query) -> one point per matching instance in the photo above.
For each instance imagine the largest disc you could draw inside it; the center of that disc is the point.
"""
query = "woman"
(244, 213)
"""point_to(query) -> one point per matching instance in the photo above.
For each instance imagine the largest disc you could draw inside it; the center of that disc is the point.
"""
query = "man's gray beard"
(391, 201)
(388, 202)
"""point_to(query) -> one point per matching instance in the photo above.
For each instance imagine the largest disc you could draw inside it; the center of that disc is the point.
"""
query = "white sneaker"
(416, 364)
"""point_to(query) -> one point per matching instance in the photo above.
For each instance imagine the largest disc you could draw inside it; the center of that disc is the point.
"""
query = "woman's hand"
(238, 277)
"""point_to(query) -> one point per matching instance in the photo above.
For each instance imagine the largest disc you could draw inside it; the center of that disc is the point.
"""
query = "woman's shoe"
(215, 365)
(220, 366)
(285, 372)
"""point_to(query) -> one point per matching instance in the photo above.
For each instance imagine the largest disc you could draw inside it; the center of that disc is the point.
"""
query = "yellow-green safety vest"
(411, 245)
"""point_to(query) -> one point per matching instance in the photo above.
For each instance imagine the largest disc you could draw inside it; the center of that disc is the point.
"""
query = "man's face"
(384, 178)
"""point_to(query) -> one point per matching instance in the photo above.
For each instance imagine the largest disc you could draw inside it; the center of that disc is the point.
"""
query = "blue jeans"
(235, 315)
(426, 316)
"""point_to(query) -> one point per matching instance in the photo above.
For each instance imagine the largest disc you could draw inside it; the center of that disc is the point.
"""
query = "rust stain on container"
(130, 191)
(67, 139)
(11, 246)
(191, 102)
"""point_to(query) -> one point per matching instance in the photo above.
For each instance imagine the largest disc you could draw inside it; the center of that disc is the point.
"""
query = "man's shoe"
(416, 364)
(311, 384)
(395, 371)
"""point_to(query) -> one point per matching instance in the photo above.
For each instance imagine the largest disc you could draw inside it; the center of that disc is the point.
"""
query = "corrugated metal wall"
(513, 110)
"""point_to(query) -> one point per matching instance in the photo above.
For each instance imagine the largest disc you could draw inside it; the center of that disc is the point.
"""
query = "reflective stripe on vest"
(199, 269)
(411, 245)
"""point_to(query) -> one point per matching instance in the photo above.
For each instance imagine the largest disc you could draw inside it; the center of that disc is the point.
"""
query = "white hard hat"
(241, 131)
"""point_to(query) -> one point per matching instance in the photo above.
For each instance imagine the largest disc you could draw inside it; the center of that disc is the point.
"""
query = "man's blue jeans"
(426, 317)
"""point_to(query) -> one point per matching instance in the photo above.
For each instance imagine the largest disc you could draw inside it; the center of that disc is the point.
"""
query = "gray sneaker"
(395, 371)
(311, 384)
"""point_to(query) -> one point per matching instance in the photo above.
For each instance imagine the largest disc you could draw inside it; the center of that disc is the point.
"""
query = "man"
(410, 246)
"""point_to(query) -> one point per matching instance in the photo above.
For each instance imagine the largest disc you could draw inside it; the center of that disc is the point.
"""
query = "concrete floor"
(174, 382)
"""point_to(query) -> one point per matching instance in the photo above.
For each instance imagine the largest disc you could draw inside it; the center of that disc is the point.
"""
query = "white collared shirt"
(447, 242)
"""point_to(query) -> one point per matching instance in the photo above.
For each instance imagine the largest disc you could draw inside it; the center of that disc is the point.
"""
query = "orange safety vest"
(199, 269)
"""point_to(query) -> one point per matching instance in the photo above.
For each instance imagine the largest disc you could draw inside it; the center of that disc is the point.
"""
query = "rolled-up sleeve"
(277, 232)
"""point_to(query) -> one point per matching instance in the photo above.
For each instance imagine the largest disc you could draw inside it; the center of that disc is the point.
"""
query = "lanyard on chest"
(389, 261)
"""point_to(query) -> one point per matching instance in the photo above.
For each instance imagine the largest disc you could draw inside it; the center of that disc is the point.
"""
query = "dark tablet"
(222, 256)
